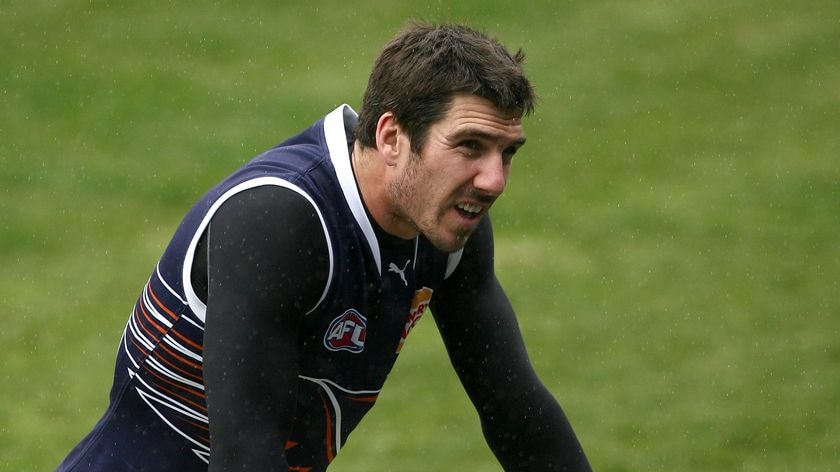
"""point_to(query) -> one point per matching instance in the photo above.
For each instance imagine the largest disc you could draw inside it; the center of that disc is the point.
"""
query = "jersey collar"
(338, 130)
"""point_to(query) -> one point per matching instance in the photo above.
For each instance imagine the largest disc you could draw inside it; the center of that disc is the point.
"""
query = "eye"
(508, 153)
(471, 146)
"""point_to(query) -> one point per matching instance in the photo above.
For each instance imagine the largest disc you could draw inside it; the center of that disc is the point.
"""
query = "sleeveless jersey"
(157, 418)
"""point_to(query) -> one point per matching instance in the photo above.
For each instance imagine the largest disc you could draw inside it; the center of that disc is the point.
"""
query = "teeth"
(470, 208)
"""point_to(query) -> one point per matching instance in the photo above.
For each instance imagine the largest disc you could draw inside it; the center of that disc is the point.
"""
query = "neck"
(371, 173)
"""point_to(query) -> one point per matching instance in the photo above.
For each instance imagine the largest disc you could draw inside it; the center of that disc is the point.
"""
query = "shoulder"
(271, 233)
(270, 205)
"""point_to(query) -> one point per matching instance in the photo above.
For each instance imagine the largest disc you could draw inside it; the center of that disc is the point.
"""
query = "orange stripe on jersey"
(193, 364)
(145, 329)
(330, 455)
(299, 469)
(202, 426)
(149, 318)
(172, 383)
(371, 399)
(198, 347)
(178, 368)
(139, 346)
(161, 305)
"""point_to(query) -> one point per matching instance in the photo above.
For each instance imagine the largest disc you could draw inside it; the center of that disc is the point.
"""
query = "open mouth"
(470, 211)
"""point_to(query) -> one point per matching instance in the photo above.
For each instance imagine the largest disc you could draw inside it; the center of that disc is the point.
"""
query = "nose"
(492, 176)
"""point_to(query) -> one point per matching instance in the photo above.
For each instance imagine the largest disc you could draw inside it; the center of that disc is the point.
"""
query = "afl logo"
(347, 332)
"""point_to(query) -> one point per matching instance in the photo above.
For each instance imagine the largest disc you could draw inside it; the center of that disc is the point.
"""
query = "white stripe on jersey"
(180, 348)
(162, 399)
(149, 399)
(196, 305)
(125, 344)
(336, 126)
(151, 361)
(137, 333)
(171, 290)
(150, 307)
(336, 408)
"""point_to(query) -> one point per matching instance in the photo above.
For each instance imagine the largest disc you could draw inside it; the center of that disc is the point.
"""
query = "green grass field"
(670, 236)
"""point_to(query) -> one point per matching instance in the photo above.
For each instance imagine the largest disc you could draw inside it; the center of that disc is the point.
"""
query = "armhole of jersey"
(452, 262)
(196, 305)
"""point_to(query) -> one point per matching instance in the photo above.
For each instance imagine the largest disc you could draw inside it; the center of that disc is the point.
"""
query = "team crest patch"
(347, 332)
(419, 303)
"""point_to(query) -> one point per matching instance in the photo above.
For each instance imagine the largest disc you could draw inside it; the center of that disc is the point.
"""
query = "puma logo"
(401, 272)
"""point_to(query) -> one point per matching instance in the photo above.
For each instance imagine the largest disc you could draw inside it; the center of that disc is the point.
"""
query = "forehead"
(471, 114)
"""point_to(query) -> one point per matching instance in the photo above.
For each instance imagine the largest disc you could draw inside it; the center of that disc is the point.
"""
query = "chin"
(450, 244)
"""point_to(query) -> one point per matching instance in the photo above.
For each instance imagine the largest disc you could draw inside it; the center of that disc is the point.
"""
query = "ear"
(389, 138)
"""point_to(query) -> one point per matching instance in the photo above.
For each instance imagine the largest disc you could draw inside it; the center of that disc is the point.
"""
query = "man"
(276, 312)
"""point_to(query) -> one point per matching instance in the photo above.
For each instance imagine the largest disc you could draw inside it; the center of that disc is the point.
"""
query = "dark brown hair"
(419, 71)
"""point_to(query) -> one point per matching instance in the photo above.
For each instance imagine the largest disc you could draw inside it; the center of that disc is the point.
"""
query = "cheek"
(434, 187)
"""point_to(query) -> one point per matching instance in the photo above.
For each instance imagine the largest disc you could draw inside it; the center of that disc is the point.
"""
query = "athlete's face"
(461, 170)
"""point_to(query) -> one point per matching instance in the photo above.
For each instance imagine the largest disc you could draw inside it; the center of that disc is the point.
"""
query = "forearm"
(251, 384)
(531, 432)
(251, 452)
(250, 411)
(522, 422)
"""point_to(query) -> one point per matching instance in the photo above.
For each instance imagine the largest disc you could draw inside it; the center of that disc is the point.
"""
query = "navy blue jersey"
(378, 288)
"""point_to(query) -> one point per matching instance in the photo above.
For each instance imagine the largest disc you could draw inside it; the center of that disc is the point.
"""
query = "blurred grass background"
(669, 236)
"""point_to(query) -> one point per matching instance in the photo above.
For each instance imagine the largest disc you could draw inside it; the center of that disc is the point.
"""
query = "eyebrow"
(475, 133)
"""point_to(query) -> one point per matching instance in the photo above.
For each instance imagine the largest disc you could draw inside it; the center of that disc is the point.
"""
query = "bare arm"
(522, 422)
(266, 267)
